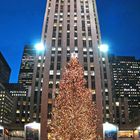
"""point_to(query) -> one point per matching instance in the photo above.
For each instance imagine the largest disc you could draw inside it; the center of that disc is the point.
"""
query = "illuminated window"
(23, 120)
(51, 72)
(107, 115)
(117, 103)
(106, 90)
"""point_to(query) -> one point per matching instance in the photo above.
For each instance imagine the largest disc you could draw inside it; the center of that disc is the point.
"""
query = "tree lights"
(74, 116)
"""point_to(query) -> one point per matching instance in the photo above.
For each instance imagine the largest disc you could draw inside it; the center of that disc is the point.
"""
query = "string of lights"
(74, 115)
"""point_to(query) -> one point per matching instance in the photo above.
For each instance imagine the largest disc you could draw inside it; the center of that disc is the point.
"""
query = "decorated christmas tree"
(74, 113)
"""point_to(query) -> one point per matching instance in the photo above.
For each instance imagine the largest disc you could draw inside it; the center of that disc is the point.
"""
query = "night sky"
(21, 23)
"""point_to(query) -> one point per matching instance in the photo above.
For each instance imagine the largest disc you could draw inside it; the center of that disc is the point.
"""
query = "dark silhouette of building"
(5, 71)
(25, 82)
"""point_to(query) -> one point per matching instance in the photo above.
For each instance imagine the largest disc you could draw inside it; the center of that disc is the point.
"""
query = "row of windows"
(75, 15)
(68, 29)
(86, 77)
(75, 41)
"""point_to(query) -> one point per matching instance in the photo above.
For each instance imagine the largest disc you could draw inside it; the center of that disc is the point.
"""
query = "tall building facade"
(126, 89)
(27, 66)
(70, 26)
(6, 108)
(22, 90)
(6, 100)
(18, 92)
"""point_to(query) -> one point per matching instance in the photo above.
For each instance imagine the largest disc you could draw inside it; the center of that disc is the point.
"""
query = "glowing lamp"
(103, 48)
(39, 47)
(138, 128)
(33, 129)
(109, 127)
(1, 127)
(33, 125)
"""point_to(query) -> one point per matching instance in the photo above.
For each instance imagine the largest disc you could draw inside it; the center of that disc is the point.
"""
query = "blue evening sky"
(21, 23)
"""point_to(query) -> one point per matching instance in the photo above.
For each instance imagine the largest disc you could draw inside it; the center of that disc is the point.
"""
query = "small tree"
(74, 115)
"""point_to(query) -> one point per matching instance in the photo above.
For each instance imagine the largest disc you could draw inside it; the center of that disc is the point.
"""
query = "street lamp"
(32, 130)
(103, 48)
(110, 131)
(39, 47)
(109, 127)
(34, 125)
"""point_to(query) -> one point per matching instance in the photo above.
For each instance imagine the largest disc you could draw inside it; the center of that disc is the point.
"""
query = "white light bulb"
(39, 47)
(103, 48)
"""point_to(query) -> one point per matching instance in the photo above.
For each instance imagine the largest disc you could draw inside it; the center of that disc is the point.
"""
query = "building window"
(93, 84)
(60, 35)
(85, 59)
(51, 77)
(91, 59)
(68, 8)
(84, 43)
(85, 68)
(58, 77)
(59, 42)
(68, 58)
(82, 9)
(75, 42)
(50, 84)
(53, 42)
(49, 108)
(58, 66)
(50, 95)
(90, 43)
(68, 42)
(83, 25)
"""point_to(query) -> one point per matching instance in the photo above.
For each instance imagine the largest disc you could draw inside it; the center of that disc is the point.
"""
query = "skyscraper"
(18, 93)
(6, 108)
(24, 87)
(125, 87)
(6, 100)
(27, 66)
(70, 26)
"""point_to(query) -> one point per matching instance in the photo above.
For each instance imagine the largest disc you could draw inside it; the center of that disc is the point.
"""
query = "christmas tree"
(74, 116)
